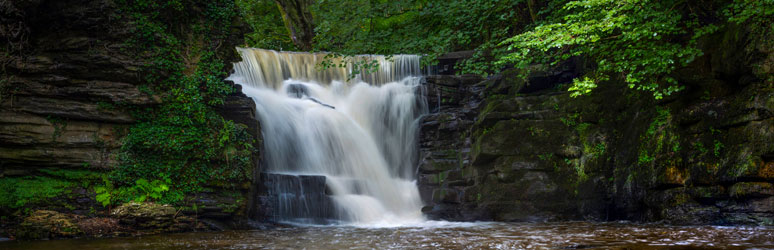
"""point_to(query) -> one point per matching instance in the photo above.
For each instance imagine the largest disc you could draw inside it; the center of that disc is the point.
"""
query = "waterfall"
(360, 134)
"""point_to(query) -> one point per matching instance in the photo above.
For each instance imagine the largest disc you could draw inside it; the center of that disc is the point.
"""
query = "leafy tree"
(428, 27)
(638, 41)
(299, 21)
(268, 28)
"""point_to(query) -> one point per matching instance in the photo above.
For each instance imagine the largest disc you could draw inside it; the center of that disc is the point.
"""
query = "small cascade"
(269, 68)
(356, 136)
(302, 198)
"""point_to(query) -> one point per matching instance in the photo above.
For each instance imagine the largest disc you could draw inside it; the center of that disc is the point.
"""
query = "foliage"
(143, 190)
(408, 26)
(428, 27)
(757, 13)
(640, 42)
(660, 141)
(183, 141)
(105, 193)
(718, 147)
(41, 188)
(268, 30)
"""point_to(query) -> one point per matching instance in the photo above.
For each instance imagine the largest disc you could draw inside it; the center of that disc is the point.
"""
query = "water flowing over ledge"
(360, 134)
(269, 68)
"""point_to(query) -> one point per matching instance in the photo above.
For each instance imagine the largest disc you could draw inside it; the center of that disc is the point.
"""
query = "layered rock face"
(69, 81)
(64, 87)
(514, 149)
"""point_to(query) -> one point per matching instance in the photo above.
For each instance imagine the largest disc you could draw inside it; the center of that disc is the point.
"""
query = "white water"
(360, 135)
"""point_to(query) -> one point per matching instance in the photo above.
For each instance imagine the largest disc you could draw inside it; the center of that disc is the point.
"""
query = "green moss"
(581, 172)
(598, 150)
(105, 106)
(490, 106)
(660, 141)
(659, 121)
(582, 128)
(74, 175)
(444, 118)
(86, 178)
(439, 178)
(17, 192)
(443, 165)
(745, 167)
(571, 119)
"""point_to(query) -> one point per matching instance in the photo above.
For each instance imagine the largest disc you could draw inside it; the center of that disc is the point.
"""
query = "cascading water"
(359, 134)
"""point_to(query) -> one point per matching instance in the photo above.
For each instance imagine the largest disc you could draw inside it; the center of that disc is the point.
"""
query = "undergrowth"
(182, 144)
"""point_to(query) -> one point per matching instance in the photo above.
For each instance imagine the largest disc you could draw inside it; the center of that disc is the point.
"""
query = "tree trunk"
(531, 6)
(298, 20)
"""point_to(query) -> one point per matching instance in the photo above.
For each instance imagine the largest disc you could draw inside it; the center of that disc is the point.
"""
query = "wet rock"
(763, 219)
(446, 195)
(751, 190)
(708, 194)
(702, 156)
(676, 206)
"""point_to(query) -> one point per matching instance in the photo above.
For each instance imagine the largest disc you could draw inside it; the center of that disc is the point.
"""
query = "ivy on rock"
(182, 145)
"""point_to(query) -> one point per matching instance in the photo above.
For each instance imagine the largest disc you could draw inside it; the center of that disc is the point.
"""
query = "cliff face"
(68, 88)
(512, 149)
(62, 85)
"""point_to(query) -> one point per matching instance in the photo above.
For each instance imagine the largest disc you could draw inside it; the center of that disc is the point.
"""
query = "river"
(441, 235)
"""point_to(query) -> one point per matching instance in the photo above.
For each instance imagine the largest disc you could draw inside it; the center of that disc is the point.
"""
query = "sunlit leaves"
(635, 39)
(430, 27)
(582, 86)
(641, 42)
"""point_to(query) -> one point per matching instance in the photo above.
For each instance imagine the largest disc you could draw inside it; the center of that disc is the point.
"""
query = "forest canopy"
(638, 41)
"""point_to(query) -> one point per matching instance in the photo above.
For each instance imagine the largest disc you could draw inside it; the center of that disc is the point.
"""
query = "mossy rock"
(751, 190)
(446, 195)
(509, 138)
(671, 176)
(46, 224)
(676, 206)
(438, 165)
(708, 193)
(145, 215)
(143, 210)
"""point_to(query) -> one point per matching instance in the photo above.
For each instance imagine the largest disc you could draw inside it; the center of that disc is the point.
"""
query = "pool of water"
(441, 235)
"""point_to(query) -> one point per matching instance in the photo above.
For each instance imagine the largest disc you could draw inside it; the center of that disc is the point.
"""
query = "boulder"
(46, 224)
(152, 217)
